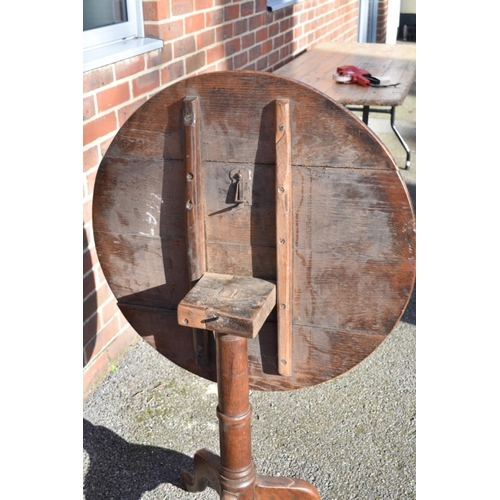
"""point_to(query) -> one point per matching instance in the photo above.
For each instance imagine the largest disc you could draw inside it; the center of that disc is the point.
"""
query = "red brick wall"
(382, 12)
(199, 36)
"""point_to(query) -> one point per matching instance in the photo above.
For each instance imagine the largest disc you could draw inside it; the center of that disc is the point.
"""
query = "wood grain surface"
(318, 66)
(353, 230)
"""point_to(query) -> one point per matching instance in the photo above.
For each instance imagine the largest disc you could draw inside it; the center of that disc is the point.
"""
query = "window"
(112, 31)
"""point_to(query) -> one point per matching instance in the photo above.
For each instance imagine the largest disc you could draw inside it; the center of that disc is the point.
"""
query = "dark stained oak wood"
(352, 226)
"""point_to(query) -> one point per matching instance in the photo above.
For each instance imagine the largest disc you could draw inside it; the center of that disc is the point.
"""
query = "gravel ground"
(352, 437)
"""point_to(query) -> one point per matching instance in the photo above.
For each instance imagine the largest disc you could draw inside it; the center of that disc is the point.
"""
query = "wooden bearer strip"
(195, 220)
(284, 235)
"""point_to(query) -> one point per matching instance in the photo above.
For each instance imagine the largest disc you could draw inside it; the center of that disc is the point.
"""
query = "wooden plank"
(284, 234)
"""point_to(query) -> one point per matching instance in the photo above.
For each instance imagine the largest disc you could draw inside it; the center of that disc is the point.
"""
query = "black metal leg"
(366, 114)
(401, 140)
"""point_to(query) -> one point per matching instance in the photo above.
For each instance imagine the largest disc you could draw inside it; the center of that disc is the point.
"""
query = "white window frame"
(273, 5)
(110, 44)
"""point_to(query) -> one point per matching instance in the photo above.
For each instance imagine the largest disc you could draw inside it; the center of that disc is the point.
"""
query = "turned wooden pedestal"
(233, 474)
(239, 305)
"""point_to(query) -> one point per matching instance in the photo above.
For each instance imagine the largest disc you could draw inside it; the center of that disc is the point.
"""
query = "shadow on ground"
(119, 470)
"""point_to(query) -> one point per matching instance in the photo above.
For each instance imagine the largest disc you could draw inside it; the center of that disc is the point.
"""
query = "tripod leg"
(206, 470)
(284, 488)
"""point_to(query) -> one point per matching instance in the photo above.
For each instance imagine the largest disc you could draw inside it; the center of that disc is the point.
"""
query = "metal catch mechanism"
(241, 185)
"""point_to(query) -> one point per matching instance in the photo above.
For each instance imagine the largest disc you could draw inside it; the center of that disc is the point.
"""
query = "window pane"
(100, 13)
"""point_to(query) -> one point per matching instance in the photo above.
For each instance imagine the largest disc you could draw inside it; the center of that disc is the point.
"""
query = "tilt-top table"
(255, 233)
(318, 66)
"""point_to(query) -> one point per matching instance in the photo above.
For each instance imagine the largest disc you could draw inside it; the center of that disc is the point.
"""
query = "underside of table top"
(318, 66)
(352, 232)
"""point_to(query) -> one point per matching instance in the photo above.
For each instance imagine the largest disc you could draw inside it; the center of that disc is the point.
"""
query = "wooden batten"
(195, 220)
(284, 240)
(195, 216)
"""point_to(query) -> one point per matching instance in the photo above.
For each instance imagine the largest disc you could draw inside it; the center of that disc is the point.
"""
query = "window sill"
(109, 54)
(273, 5)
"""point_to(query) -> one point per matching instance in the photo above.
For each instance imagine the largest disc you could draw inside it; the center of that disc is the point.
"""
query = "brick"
(90, 158)
(257, 21)
(104, 145)
(103, 337)
(231, 12)
(278, 41)
(266, 47)
(215, 54)
(194, 23)
(261, 64)
(240, 60)
(129, 67)
(146, 83)
(108, 311)
(214, 17)
(285, 25)
(247, 40)
(285, 52)
(159, 57)
(205, 39)
(185, 46)
(88, 107)
(240, 27)
(261, 6)
(112, 97)
(261, 35)
(98, 127)
(156, 10)
(273, 29)
(297, 32)
(126, 112)
(246, 8)
(89, 306)
(180, 7)
(224, 32)
(88, 284)
(254, 52)
(203, 4)
(90, 181)
(273, 58)
(172, 72)
(97, 78)
(225, 65)
(171, 30)
(232, 47)
(90, 329)
(195, 62)
(89, 255)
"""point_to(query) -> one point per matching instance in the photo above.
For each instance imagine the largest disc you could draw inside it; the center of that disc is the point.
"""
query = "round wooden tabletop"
(352, 259)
